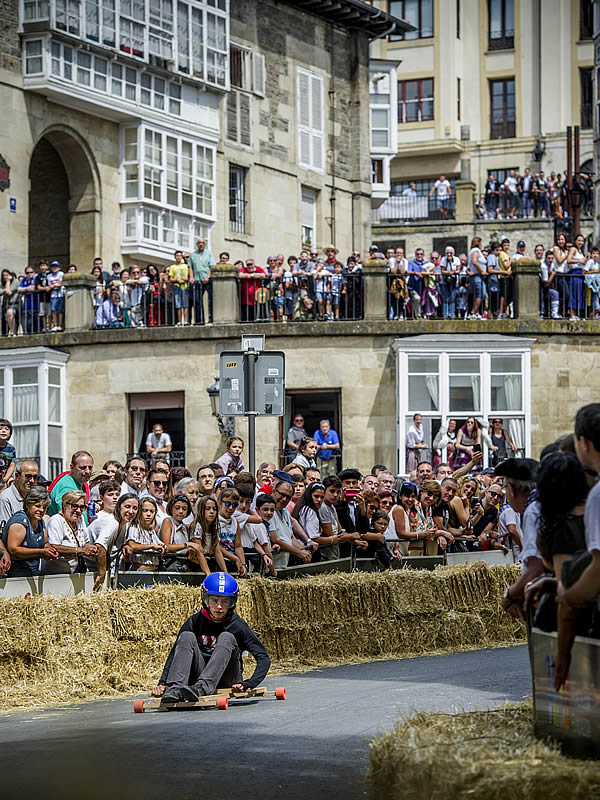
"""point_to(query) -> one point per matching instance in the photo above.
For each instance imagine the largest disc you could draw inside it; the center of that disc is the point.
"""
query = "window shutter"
(232, 120)
(303, 100)
(258, 74)
(244, 119)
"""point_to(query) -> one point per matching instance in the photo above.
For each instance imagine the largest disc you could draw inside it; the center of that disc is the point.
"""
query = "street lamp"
(226, 424)
(539, 150)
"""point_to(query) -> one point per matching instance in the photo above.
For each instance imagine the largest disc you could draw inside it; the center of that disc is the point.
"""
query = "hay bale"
(60, 649)
(482, 755)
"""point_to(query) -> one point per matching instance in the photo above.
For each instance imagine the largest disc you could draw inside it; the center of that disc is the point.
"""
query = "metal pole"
(577, 204)
(251, 412)
(569, 169)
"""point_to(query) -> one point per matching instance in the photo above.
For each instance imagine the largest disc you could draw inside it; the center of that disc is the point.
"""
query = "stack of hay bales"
(482, 755)
(55, 649)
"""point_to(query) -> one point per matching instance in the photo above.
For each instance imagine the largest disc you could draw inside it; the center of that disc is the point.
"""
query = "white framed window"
(97, 73)
(35, 10)
(380, 96)
(168, 182)
(311, 120)
(441, 380)
(237, 198)
(308, 216)
(33, 57)
(33, 397)
(191, 36)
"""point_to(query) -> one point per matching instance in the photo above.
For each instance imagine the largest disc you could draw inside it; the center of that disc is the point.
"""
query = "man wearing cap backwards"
(207, 654)
(11, 499)
(520, 475)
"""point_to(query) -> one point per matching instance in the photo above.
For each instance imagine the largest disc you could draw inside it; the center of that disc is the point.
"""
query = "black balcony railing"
(415, 208)
(571, 296)
(434, 297)
(304, 298)
(158, 305)
(29, 310)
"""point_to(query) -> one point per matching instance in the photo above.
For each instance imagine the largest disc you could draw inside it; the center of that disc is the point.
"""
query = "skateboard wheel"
(280, 693)
(138, 706)
(222, 703)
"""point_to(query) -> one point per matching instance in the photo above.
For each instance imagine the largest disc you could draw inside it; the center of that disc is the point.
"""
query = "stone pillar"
(527, 288)
(226, 302)
(465, 201)
(375, 277)
(79, 307)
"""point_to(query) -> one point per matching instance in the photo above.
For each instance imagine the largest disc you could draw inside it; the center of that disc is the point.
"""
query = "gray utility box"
(252, 383)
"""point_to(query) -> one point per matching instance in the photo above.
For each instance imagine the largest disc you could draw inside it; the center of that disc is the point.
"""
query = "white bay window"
(444, 379)
(33, 398)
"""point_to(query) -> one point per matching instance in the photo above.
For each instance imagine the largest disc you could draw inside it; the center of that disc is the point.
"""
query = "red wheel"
(280, 693)
(138, 706)
(222, 703)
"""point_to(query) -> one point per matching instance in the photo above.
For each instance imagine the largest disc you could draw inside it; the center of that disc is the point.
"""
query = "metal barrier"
(571, 296)
(571, 716)
(306, 297)
(407, 297)
(413, 207)
(156, 305)
(66, 585)
(28, 310)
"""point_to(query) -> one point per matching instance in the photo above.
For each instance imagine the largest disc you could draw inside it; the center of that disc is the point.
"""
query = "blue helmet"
(220, 584)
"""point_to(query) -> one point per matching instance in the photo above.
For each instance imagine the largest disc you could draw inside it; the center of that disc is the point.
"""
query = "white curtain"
(475, 384)
(139, 419)
(433, 387)
(512, 390)
(26, 439)
(516, 429)
(25, 403)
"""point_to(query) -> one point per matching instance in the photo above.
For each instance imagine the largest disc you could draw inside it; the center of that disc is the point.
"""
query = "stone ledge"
(399, 328)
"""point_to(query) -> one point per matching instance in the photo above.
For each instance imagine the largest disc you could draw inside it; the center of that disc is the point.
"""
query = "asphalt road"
(312, 746)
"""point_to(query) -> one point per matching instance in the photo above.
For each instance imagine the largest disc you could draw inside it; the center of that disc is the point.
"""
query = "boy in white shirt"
(255, 536)
(57, 296)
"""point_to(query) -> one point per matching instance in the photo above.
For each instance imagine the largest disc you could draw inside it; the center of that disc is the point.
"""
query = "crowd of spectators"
(479, 284)
(160, 517)
(533, 195)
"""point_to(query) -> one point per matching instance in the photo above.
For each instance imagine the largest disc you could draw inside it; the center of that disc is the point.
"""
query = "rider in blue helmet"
(207, 654)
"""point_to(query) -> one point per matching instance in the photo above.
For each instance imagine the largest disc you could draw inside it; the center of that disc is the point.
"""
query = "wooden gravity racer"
(219, 700)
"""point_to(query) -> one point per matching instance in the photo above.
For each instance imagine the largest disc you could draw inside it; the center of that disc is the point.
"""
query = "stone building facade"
(134, 128)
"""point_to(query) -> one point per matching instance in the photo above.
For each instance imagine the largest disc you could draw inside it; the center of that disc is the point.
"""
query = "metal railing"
(408, 297)
(176, 458)
(416, 207)
(571, 296)
(31, 311)
(303, 298)
(157, 305)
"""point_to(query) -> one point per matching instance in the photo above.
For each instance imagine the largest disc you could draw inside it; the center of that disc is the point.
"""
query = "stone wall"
(288, 38)
(10, 46)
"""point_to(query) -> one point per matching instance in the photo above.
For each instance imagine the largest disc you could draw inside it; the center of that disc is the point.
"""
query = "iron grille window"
(237, 199)
(501, 25)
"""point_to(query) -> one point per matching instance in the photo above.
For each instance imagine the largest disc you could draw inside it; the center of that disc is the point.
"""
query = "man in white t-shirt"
(57, 296)
(443, 192)
(587, 447)
(520, 480)
(512, 195)
(158, 443)
(509, 529)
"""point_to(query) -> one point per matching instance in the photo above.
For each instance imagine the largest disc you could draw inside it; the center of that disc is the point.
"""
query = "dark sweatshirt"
(207, 630)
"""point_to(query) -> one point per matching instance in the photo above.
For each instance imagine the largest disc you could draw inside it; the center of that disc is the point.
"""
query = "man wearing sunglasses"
(156, 488)
(11, 499)
(291, 540)
(487, 522)
(135, 472)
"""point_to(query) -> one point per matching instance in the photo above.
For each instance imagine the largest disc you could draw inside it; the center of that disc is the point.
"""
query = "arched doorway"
(64, 200)
(49, 218)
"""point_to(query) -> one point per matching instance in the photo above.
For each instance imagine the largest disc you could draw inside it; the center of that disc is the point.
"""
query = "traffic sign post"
(252, 384)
